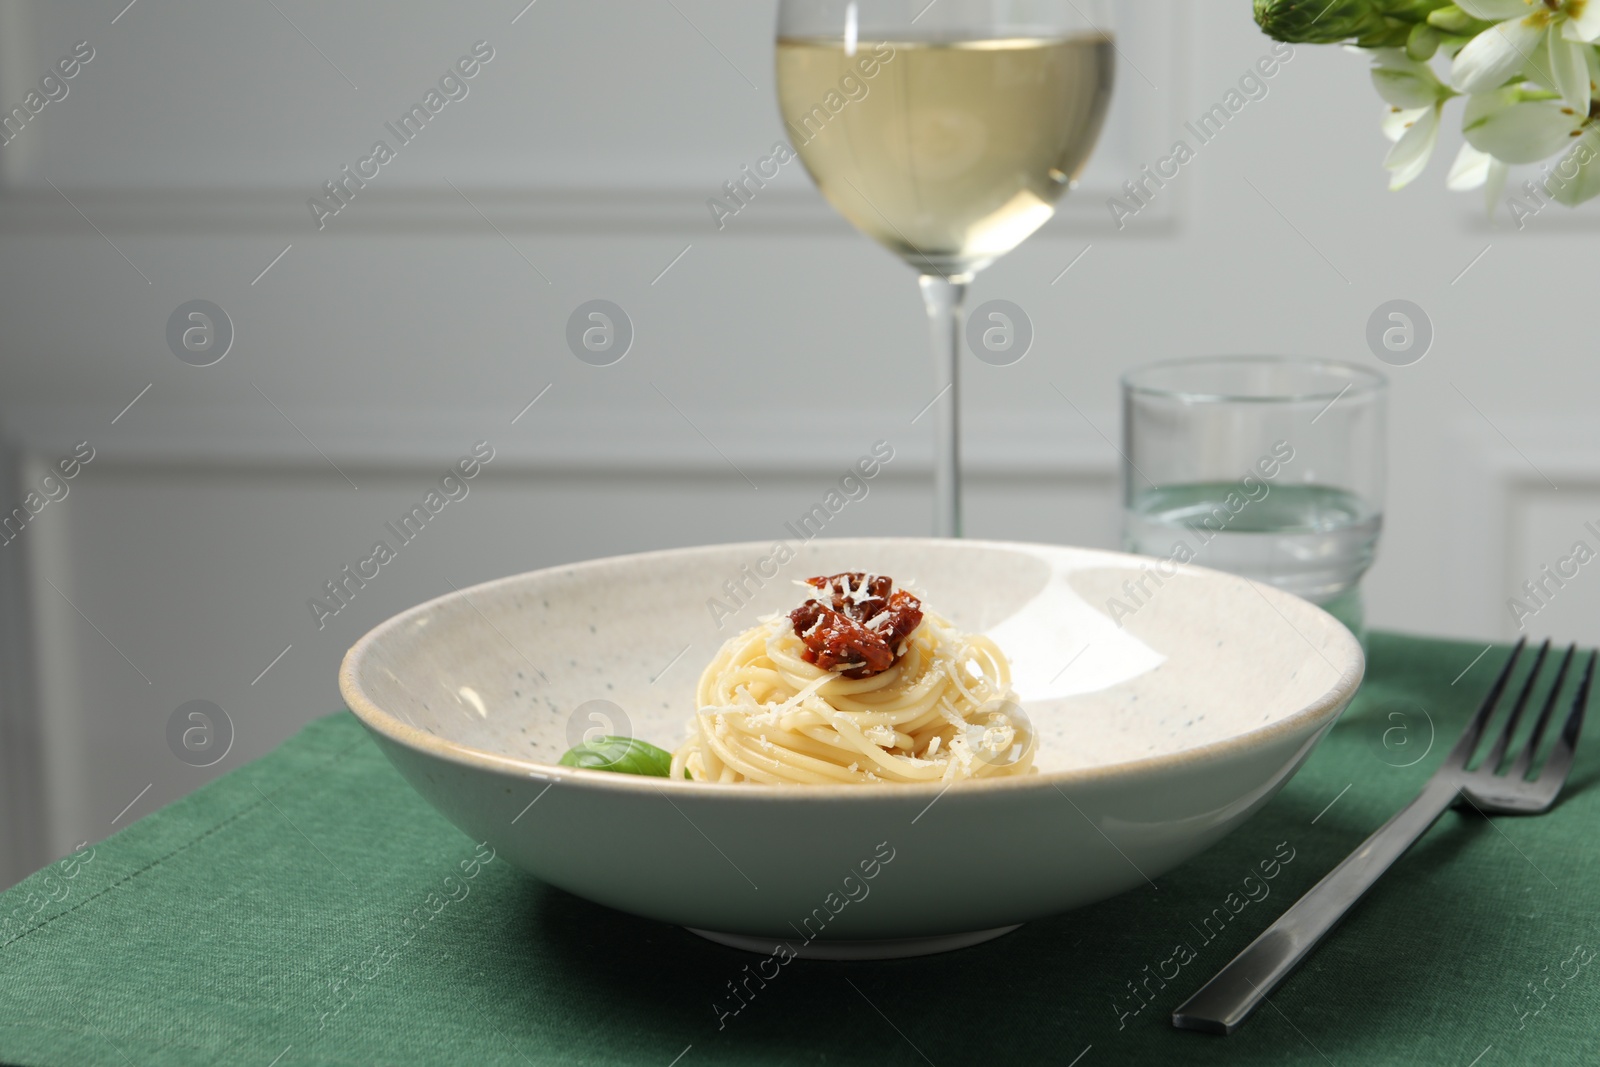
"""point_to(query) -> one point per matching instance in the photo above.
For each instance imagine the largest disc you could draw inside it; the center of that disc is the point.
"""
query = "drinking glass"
(1262, 466)
(947, 130)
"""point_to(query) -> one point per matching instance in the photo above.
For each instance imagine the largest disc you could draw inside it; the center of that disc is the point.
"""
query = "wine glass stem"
(944, 298)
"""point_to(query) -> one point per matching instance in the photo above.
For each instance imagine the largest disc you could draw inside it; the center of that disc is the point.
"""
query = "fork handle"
(1224, 1003)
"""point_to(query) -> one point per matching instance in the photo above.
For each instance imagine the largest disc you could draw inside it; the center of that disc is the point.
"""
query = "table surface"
(260, 921)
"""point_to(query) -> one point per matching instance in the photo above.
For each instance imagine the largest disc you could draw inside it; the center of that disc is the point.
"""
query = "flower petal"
(1396, 121)
(1570, 71)
(1388, 57)
(1577, 177)
(1410, 155)
(1496, 55)
(1493, 10)
(1516, 130)
(1470, 170)
(1406, 82)
(1495, 185)
(1583, 26)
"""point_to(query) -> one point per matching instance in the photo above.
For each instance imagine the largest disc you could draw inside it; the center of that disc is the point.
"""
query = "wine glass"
(946, 129)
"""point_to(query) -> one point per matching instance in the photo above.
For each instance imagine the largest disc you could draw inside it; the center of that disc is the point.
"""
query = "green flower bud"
(1395, 34)
(1372, 23)
(1423, 42)
(1456, 22)
(1319, 21)
(1411, 11)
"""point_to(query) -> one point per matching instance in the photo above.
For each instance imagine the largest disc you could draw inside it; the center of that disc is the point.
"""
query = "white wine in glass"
(947, 131)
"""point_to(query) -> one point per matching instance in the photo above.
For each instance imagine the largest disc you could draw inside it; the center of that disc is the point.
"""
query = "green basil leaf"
(622, 755)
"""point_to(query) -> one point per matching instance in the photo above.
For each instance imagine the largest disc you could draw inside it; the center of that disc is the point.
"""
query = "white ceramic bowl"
(1169, 708)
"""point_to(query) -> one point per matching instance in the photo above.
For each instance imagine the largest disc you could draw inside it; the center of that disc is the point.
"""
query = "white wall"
(181, 562)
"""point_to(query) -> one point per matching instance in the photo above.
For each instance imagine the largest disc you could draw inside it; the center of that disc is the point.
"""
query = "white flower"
(1416, 97)
(1530, 78)
(1415, 132)
(1520, 126)
(1472, 169)
(1546, 41)
(1577, 178)
(1406, 82)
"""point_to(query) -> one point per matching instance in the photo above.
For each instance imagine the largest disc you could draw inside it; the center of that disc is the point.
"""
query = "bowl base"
(892, 949)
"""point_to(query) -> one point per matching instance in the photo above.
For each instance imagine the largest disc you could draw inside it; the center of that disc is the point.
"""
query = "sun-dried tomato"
(861, 626)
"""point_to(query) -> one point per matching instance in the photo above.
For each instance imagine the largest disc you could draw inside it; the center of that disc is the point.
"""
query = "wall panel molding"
(23, 845)
(549, 437)
(212, 179)
(1490, 480)
(785, 211)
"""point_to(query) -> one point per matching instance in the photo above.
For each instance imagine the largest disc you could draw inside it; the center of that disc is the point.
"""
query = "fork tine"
(1491, 762)
(1560, 761)
(1469, 737)
(1524, 760)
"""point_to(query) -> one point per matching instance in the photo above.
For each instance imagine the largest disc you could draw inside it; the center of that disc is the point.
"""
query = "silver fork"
(1224, 1003)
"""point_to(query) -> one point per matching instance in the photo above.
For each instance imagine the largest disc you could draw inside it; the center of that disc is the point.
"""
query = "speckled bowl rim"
(1304, 720)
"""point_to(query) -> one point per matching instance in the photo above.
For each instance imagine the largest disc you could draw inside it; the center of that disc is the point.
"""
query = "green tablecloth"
(262, 918)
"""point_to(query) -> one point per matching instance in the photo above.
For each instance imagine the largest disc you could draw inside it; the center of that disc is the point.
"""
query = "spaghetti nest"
(944, 711)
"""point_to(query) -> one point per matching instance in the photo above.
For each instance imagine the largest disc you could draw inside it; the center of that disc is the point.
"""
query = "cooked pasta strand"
(944, 711)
